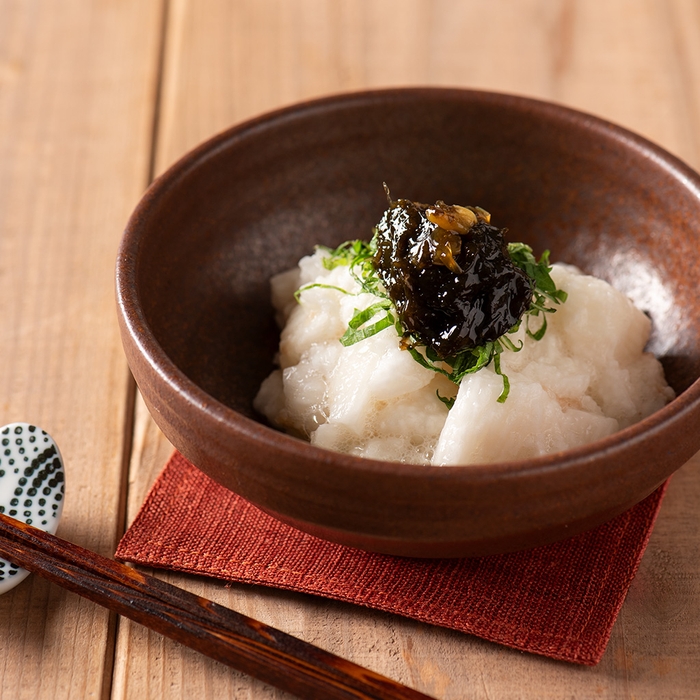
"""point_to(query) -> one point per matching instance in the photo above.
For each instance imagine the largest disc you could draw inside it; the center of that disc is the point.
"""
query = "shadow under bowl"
(197, 324)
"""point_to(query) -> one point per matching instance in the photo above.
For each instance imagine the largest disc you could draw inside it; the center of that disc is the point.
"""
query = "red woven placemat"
(560, 600)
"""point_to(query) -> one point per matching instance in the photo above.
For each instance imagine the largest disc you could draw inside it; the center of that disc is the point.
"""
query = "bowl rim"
(135, 322)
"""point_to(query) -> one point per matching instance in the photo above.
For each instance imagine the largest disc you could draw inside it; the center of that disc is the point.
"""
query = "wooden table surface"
(97, 97)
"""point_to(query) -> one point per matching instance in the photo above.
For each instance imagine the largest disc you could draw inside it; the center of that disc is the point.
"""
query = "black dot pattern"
(32, 485)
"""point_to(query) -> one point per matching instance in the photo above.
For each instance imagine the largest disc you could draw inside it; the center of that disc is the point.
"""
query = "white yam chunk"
(270, 400)
(364, 376)
(282, 289)
(404, 429)
(529, 423)
(320, 315)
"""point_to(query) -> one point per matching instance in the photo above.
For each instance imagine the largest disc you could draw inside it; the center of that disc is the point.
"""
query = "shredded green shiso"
(359, 257)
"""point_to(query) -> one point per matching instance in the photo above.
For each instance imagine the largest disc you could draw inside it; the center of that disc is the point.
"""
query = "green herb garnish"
(357, 330)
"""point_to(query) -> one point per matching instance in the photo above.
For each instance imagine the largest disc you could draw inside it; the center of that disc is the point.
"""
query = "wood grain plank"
(635, 62)
(76, 95)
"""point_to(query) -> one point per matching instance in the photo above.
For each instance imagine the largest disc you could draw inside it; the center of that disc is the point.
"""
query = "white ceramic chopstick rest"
(31, 485)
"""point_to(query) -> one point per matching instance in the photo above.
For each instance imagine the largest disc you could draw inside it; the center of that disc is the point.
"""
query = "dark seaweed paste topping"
(448, 272)
(447, 282)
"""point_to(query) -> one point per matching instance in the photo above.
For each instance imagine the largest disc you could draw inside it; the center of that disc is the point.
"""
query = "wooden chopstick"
(245, 644)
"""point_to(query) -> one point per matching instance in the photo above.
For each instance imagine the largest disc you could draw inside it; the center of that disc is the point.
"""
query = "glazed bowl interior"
(199, 333)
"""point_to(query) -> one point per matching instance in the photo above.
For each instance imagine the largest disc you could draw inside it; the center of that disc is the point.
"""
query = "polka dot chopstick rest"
(31, 485)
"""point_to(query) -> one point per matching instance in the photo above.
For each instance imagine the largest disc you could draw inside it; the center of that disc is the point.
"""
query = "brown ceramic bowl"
(198, 330)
